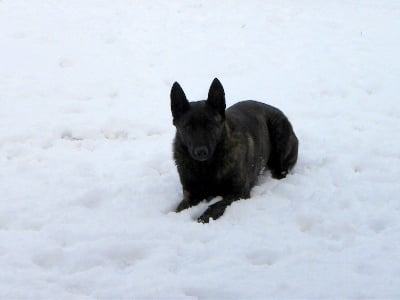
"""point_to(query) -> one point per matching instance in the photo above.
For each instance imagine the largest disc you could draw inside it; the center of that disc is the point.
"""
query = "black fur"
(221, 152)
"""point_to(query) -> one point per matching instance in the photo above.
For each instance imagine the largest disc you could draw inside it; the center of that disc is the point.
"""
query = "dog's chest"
(211, 173)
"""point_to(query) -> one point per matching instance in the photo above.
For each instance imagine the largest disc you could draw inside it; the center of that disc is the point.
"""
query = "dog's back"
(248, 140)
(266, 135)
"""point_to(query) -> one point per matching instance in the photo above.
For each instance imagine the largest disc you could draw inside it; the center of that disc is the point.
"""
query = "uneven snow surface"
(87, 180)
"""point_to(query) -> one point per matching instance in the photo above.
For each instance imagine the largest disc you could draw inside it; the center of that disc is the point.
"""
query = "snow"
(88, 185)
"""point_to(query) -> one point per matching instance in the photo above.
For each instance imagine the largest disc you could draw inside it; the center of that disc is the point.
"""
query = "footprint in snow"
(65, 62)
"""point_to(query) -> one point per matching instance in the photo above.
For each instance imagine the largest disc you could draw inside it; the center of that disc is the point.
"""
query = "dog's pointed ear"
(179, 103)
(216, 96)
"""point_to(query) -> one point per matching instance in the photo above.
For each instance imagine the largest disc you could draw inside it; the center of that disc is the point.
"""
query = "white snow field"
(87, 181)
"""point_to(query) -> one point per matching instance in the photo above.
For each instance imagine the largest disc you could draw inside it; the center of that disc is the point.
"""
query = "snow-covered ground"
(87, 181)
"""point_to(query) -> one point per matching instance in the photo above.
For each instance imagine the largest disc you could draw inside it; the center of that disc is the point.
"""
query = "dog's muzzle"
(200, 153)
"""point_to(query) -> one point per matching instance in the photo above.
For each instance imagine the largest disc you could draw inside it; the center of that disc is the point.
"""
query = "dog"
(221, 152)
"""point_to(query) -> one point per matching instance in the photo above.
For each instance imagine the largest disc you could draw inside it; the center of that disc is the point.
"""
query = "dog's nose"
(201, 153)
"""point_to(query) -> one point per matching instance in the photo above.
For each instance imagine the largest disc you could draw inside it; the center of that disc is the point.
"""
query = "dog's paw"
(214, 212)
(279, 174)
(183, 205)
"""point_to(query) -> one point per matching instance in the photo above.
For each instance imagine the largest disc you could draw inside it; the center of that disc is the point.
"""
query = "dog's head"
(199, 124)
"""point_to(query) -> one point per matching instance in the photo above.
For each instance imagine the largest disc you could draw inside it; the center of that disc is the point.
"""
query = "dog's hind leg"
(284, 146)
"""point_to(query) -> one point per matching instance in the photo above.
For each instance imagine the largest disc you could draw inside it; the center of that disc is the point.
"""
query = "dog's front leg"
(189, 200)
(217, 209)
(185, 203)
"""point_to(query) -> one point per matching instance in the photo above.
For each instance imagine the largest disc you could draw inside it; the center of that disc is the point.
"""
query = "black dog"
(221, 152)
